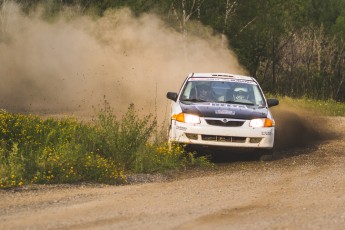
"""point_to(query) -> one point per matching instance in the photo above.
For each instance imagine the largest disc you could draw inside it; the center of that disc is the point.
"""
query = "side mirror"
(172, 96)
(272, 102)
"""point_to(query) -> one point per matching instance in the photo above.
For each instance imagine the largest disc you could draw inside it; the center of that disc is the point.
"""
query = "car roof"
(221, 75)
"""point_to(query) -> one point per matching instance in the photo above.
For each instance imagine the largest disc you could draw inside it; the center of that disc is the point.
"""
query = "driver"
(205, 93)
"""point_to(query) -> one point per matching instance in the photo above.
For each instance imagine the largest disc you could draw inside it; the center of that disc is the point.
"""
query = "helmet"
(204, 92)
(241, 93)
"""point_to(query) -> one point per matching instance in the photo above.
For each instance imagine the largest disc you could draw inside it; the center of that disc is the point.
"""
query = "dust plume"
(298, 128)
(71, 62)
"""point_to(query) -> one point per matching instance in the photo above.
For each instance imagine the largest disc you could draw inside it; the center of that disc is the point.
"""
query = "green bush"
(121, 140)
(37, 150)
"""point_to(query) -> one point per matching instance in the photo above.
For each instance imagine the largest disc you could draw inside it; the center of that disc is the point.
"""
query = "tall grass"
(326, 108)
(122, 140)
(37, 150)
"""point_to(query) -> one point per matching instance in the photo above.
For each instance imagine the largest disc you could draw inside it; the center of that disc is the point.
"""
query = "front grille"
(225, 123)
(223, 138)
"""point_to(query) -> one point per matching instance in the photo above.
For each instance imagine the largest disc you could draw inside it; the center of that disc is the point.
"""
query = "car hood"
(224, 110)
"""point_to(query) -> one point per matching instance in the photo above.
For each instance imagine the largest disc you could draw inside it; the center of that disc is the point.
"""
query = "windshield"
(223, 91)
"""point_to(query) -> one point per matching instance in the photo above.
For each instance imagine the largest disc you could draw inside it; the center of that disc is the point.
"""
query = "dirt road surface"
(304, 188)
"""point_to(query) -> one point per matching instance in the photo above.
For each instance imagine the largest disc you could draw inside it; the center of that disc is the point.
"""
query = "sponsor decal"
(181, 128)
(225, 105)
(222, 79)
(266, 133)
(225, 111)
(229, 105)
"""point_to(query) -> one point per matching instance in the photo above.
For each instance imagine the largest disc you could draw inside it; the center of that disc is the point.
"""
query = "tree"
(183, 10)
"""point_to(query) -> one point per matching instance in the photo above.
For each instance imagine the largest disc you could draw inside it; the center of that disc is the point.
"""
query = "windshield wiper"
(194, 100)
(239, 103)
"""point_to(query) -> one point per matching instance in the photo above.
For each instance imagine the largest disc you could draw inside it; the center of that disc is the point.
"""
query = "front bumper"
(242, 136)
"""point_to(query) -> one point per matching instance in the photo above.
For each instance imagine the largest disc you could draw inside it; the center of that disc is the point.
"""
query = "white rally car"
(222, 110)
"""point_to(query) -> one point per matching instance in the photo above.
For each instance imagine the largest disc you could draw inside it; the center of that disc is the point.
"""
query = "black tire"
(266, 154)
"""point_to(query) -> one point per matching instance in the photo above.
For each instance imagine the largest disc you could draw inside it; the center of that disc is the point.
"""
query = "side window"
(187, 91)
(258, 96)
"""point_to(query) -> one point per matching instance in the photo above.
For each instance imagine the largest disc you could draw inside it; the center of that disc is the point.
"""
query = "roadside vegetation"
(319, 107)
(34, 150)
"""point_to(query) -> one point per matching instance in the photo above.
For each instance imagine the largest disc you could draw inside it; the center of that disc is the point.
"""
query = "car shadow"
(225, 155)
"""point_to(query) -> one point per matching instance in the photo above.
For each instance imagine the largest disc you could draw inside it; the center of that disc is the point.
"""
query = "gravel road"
(302, 188)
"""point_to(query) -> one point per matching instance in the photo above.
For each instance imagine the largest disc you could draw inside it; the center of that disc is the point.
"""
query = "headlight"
(186, 118)
(261, 122)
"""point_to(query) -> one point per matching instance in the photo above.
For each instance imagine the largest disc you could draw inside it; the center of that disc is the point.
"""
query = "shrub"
(121, 140)
(36, 150)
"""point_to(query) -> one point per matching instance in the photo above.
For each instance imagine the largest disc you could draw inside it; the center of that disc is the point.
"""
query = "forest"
(294, 48)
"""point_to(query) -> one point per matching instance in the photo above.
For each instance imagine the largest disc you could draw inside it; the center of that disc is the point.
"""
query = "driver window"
(187, 91)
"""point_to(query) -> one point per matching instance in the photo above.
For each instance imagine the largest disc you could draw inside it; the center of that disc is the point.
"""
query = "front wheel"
(265, 154)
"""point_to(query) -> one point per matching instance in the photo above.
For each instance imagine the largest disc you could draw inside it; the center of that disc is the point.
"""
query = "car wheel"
(266, 154)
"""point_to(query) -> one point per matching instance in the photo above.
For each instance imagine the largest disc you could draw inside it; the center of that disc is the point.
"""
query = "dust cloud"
(298, 128)
(70, 63)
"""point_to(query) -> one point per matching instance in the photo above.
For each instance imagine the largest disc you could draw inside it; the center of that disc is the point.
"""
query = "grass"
(326, 108)
(36, 150)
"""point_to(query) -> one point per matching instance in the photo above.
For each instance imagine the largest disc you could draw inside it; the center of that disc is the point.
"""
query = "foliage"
(121, 141)
(320, 107)
(37, 150)
(49, 151)
(159, 156)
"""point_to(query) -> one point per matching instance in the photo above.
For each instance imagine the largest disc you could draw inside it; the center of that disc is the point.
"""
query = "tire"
(266, 154)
